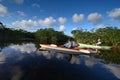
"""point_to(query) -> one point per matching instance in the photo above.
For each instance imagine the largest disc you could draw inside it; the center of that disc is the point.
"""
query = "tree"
(108, 35)
(49, 35)
(1, 25)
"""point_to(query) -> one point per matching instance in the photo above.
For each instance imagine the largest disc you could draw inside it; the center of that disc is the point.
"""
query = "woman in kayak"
(70, 44)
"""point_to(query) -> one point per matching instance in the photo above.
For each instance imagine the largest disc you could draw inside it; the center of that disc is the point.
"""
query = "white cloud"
(19, 1)
(78, 18)
(21, 13)
(36, 5)
(62, 28)
(25, 24)
(62, 20)
(33, 24)
(3, 11)
(29, 48)
(102, 26)
(95, 18)
(48, 22)
(75, 28)
(115, 14)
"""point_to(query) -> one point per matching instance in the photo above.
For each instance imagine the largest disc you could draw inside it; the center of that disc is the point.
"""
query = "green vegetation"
(49, 36)
(7, 34)
(46, 36)
(108, 35)
(110, 56)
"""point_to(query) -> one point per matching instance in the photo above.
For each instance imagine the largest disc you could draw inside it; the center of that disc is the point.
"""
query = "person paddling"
(70, 44)
(98, 42)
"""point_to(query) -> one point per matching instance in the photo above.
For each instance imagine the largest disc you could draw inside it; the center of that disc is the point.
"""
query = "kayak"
(81, 45)
(59, 49)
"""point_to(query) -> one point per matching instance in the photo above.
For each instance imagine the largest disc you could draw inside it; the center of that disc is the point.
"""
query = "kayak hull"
(66, 50)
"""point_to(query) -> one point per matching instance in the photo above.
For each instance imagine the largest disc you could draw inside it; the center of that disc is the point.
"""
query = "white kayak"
(55, 48)
(81, 45)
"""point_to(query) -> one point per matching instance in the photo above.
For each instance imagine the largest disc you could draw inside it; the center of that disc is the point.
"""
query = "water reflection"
(26, 62)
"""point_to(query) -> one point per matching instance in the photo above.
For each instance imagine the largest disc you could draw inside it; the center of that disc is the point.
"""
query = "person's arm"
(98, 43)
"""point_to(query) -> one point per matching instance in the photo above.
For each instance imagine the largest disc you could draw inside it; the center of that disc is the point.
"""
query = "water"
(26, 62)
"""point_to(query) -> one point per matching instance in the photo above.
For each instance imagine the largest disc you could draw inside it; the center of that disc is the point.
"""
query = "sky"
(61, 15)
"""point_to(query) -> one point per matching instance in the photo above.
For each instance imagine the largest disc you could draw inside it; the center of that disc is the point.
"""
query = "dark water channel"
(26, 62)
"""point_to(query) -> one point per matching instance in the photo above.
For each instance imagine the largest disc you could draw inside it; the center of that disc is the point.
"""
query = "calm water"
(25, 62)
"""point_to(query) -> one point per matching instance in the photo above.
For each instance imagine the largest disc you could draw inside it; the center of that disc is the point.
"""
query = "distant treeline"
(46, 36)
(8, 34)
(108, 35)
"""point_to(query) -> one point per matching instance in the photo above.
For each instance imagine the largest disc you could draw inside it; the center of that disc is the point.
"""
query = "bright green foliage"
(108, 35)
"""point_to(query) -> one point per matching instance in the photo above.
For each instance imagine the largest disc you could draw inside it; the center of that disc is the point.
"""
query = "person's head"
(69, 40)
(98, 39)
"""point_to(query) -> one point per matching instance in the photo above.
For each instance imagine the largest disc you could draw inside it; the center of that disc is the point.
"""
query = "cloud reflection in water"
(25, 62)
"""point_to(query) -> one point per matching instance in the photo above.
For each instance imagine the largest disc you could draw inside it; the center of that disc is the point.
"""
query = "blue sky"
(62, 15)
